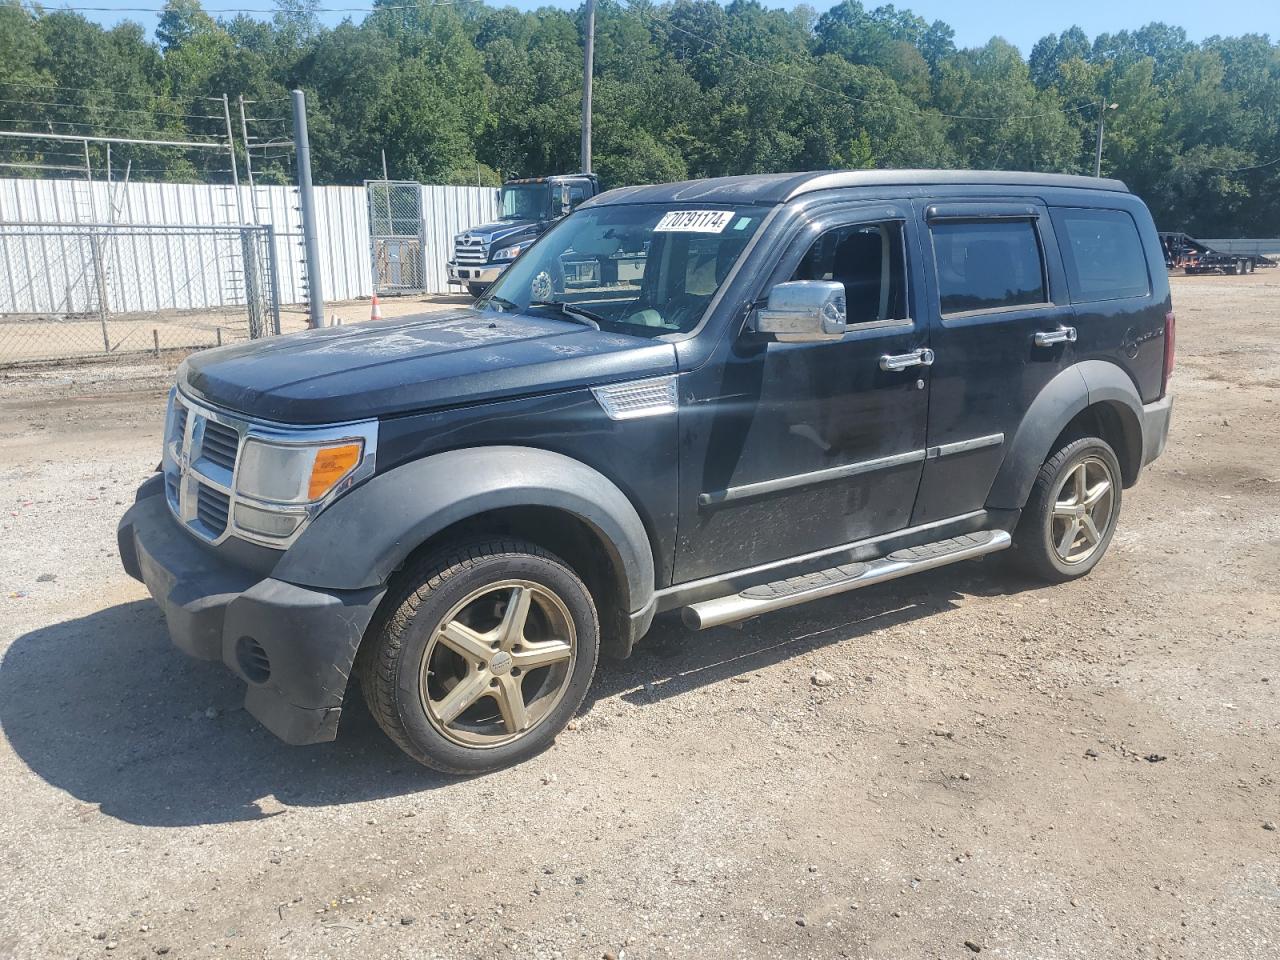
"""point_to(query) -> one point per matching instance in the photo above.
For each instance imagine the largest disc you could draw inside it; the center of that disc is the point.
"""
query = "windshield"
(525, 201)
(645, 269)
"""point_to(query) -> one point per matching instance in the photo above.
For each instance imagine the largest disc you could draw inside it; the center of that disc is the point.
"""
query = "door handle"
(901, 361)
(1047, 338)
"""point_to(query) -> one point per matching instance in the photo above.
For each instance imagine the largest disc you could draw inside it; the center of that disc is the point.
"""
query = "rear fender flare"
(365, 536)
(1067, 394)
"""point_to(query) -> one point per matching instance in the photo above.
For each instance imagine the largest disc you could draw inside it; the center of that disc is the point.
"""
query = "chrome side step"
(849, 576)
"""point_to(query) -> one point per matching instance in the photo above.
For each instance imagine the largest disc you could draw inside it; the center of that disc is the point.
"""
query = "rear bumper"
(473, 274)
(293, 645)
(1155, 427)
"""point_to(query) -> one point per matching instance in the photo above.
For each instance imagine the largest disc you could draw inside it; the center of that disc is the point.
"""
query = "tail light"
(1168, 352)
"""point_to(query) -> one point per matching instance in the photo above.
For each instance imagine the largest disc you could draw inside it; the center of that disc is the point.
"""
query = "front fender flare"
(361, 539)
(1067, 394)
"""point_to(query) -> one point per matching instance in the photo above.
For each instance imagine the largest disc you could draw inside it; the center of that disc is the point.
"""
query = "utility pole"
(307, 201)
(587, 68)
(231, 150)
(248, 160)
(1103, 107)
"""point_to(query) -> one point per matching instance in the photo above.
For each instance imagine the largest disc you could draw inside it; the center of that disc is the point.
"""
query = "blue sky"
(1020, 21)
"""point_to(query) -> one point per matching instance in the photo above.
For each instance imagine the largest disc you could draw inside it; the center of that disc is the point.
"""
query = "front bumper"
(293, 645)
(484, 273)
(1155, 427)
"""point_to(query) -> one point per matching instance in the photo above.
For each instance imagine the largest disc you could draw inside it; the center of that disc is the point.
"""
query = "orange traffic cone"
(376, 312)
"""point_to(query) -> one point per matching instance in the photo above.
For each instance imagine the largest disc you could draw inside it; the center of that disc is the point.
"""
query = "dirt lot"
(134, 335)
(1086, 771)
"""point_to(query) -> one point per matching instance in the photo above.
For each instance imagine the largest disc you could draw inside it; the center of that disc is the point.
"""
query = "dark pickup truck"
(800, 385)
(527, 208)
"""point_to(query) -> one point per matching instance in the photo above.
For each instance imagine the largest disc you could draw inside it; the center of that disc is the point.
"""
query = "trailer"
(1182, 251)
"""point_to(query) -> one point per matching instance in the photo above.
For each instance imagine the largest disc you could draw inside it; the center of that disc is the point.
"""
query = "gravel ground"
(133, 336)
(955, 762)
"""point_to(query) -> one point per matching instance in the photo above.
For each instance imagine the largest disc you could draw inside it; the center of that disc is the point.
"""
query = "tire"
(1042, 531)
(477, 289)
(414, 672)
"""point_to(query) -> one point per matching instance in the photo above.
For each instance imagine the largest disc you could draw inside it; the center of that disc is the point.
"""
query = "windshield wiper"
(501, 302)
(572, 311)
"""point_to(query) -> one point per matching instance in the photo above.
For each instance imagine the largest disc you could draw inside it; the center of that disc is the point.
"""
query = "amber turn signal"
(331, 465)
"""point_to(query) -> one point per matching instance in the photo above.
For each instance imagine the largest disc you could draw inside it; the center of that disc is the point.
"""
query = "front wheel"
(483, 655)
(1071, 514)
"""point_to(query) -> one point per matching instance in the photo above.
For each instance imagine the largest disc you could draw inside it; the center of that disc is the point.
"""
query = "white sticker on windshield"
(694, 221)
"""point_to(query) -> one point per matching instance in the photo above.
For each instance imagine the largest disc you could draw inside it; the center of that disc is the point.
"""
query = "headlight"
(295, 473)
(513, 251)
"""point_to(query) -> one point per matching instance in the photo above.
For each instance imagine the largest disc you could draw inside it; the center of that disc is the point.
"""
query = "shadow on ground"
(106, 709)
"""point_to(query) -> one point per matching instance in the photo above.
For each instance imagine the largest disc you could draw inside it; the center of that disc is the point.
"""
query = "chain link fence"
(396, 244)
(89, 290)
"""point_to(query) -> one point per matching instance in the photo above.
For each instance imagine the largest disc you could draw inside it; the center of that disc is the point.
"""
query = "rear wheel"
(1071, 514)
(485, 653)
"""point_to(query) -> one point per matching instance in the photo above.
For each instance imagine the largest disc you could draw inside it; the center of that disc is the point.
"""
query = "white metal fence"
(77, 290)
(342, 214)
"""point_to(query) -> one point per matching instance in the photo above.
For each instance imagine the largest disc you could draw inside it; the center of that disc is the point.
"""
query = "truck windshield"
(644, 269)
(525, 201)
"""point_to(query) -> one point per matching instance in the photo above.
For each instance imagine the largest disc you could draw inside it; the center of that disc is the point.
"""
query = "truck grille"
(470, 251)
(201, 464)
(199, 467)
(221, 444)
(212, 507)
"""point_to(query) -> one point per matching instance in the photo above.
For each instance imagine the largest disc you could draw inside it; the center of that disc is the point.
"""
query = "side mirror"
(565, 206)
(803, 311)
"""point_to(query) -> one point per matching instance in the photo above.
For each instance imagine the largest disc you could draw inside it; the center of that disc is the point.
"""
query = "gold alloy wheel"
(498, 664)
(1082, 510)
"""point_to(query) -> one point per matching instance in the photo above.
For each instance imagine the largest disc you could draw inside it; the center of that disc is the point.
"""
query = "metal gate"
(87, 290)
(396, 236)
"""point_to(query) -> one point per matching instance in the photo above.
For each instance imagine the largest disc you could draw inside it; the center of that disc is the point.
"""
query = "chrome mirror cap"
(802, 311)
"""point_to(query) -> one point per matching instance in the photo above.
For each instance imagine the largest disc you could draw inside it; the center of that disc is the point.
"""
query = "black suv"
(775, 388)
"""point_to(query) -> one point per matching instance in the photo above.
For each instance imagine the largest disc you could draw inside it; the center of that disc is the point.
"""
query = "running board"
(766, 597)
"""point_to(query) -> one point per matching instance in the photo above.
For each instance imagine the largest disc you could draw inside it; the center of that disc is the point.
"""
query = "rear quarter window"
(1102, 254)
(988, 265)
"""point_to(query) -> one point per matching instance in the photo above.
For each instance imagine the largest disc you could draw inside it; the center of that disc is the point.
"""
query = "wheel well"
(1115, 424)
(567, 536)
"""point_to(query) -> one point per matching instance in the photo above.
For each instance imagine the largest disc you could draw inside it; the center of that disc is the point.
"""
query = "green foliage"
(471, 93)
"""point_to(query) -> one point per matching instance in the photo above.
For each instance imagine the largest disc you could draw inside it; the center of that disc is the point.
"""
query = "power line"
(81, 106)
(95, 128)
(261, 10)
(1256, 166)
(910, 108)
(88, 138)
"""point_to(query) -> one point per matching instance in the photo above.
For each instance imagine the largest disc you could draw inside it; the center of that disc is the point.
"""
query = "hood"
(414, 363)
(503, 231)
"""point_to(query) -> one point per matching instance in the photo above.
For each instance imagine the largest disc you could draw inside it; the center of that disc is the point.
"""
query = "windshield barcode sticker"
(694, 221)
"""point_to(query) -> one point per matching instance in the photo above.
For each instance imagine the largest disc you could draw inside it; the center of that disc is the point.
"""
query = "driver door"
(790, 448)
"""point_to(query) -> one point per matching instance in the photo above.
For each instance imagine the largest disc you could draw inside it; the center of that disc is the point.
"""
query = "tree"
(684, 88)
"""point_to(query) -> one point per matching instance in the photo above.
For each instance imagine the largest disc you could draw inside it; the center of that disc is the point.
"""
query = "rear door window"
(1102, 253)
(988, 264)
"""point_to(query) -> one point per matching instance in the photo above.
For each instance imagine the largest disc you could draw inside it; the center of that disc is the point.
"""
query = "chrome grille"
(220, 445)
(199, 467)
(469, 251)
(179, 422)
(212, 508)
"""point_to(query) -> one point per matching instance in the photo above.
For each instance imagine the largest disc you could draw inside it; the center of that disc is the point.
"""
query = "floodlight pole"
(1103, 107)
(588, 59)
(307, 201)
